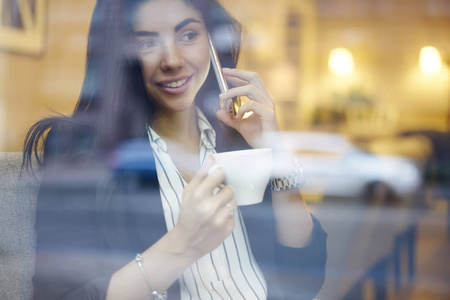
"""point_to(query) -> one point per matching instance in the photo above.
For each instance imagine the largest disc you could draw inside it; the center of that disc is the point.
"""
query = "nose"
(171, 58)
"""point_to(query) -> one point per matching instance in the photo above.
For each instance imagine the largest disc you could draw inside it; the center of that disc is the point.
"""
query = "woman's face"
(173, 44)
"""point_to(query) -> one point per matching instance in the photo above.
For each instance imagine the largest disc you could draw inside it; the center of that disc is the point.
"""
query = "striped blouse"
(228, 272)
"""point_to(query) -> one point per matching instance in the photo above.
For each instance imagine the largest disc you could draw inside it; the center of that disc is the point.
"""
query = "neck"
(179, 127)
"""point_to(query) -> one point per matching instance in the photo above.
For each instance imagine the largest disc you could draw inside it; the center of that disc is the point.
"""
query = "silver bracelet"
(155, 294)
(294, 180)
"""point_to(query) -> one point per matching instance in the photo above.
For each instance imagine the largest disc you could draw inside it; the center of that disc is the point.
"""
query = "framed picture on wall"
(22, 26)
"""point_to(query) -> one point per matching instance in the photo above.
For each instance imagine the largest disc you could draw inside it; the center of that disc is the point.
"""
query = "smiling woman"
(173, 44)
(130, 205)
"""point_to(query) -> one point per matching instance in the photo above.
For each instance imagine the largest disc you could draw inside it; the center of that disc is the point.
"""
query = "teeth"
(175, 83)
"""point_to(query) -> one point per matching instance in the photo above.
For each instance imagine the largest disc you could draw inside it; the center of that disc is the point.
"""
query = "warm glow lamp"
(341, 61)
(430, 60)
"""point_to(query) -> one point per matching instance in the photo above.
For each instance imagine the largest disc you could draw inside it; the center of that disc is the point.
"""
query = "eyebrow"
(185, 22)
(176, 28)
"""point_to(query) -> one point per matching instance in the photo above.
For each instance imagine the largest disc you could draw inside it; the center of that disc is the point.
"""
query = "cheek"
(202, 59)
(148, 67)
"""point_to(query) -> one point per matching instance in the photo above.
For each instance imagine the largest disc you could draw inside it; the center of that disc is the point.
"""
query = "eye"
(190, 36)
(146, 45)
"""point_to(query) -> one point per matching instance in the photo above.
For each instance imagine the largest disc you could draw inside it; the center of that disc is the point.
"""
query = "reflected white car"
(333, 166)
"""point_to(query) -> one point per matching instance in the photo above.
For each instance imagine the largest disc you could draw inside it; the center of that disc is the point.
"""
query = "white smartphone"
(228, 104)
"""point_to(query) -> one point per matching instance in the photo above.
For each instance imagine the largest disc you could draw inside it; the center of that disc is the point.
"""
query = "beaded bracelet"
(155, 294)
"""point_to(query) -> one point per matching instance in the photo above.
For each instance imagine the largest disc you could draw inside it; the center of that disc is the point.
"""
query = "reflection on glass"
(341, 61)
(430, 60)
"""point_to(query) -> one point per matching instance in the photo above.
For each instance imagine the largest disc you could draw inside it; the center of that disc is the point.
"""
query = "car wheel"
(378, 194)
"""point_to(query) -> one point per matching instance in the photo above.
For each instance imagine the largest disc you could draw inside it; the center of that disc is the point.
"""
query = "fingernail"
(233, 189)
(212, 169)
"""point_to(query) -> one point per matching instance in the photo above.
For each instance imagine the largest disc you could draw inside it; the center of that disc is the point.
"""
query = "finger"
(226, 220)
(231, 209)
(249, 91)
(224, 196)
(250, 77)
(258, 109)
(211, 182)
(201, 174)
(236, 81)
(224, 116)
(209, 162)
(233, 203)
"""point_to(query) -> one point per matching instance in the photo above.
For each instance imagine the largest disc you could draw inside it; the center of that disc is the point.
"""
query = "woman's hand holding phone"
(263, 120)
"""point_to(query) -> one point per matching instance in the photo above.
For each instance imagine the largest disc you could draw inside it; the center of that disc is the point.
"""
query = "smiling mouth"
(175, 84)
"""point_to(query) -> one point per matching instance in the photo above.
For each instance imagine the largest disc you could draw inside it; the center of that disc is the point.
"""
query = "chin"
(179, 107)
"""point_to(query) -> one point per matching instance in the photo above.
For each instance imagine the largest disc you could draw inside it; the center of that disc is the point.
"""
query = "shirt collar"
(155, 139)
(207, 133)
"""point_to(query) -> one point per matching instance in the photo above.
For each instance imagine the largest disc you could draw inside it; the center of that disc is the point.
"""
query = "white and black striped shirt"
(230, 271)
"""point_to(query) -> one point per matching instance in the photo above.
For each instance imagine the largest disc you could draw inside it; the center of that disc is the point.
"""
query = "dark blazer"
(92, 220)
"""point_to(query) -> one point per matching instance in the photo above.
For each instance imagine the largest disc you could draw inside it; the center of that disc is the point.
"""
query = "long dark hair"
(113, 105)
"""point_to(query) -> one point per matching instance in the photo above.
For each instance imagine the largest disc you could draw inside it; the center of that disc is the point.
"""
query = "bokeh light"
(341, 61)
(430, 60)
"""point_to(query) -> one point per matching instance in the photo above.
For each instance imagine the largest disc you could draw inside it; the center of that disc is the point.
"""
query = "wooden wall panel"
(33, 83)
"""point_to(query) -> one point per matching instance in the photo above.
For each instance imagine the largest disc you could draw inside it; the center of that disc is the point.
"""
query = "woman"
(139, 232)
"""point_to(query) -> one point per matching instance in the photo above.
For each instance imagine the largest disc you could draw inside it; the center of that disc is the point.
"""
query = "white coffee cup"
(247, 172)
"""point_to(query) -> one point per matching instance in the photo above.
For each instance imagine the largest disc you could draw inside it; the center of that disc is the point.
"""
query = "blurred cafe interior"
(362, 89)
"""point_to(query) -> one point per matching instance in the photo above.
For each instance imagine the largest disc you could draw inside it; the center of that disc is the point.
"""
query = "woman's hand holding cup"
(206, 218)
